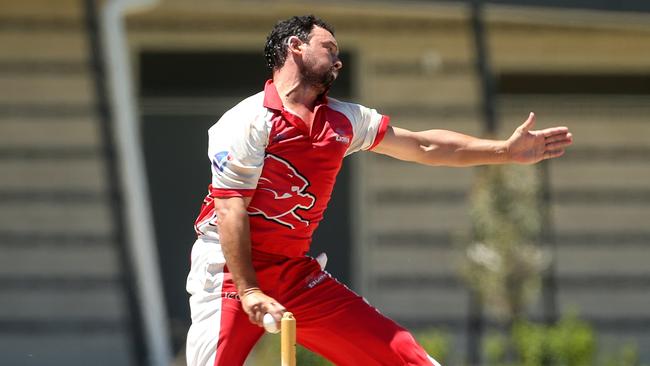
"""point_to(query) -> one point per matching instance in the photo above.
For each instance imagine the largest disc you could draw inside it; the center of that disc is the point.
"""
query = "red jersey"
(259, 149)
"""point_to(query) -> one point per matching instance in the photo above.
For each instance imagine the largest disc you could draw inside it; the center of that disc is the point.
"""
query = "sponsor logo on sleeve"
(221, 159)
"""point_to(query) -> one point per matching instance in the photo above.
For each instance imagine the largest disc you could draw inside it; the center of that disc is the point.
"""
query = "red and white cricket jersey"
(261, 150)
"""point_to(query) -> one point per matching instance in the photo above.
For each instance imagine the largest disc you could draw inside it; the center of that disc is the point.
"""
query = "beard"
(321, 80)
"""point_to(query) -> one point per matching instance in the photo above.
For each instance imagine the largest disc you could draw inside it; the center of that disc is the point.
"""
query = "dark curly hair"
(275, 50)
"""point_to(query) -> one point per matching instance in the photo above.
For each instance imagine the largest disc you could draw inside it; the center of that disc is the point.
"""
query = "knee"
(409, 350)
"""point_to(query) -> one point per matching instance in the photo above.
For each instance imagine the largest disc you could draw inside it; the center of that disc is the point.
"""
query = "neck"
(293, 91)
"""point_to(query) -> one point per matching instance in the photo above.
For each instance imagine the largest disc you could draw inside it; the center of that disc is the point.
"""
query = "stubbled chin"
(328, 83)
(324, 81)
(332, 76)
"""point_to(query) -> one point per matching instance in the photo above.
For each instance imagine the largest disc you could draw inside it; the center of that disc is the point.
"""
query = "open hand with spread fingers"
(528, 147)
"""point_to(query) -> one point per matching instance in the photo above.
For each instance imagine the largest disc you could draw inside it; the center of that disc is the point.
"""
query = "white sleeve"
(368, 127)
(236, 150)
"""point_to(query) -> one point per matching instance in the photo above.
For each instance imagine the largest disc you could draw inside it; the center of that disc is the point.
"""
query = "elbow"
(222, 213)
(228, 209)
(440, 155)
(428, 155)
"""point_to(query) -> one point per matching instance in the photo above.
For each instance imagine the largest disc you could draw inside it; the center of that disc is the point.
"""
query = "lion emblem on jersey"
(280, 193)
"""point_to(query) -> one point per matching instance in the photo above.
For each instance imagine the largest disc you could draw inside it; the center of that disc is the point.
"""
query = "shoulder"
(359, 115)
(246, 109)
(351, 110)
(250, 112)
(250, 105)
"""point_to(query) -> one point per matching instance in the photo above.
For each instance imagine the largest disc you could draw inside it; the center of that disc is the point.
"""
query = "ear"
(293, 44)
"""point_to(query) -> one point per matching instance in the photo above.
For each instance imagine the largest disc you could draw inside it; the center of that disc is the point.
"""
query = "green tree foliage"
(503, 264)
(569, 342)
(436, 343)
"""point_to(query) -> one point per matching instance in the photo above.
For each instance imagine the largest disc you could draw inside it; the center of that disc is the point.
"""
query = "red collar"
(272, 98)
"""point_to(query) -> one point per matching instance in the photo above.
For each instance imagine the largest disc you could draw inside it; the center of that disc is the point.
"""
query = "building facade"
(394, 226)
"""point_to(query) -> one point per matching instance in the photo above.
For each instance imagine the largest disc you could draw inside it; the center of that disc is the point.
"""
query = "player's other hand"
(526, 146)
(256, 303)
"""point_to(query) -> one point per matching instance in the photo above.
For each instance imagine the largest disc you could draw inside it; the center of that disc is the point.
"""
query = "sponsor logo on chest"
(341, 136)
(343, 139)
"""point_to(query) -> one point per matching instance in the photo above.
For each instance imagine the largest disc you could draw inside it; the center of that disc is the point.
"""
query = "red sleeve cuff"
(381, 132)
(226, 193)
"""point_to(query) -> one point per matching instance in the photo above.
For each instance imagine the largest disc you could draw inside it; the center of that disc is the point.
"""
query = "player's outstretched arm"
(448, 148)
(234, 232)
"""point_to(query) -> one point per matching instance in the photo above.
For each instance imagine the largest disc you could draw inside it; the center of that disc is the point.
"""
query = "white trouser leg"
(204, 284)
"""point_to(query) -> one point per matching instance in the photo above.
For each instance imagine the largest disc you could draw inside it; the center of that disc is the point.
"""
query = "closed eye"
(332, 47)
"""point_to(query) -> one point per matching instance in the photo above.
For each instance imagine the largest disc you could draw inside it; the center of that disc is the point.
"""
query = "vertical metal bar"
(474, 329)
(549, 282)
(488, 90)
(475, 321)
(138, 226)
(113, 181)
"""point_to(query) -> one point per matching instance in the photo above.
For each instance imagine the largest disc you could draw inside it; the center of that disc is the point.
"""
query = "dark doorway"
(182, 94)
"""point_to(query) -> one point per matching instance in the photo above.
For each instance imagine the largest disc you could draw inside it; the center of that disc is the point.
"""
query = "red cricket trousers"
(331, 320)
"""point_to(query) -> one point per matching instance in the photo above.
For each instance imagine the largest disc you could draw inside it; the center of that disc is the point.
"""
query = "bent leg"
(341, 326)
